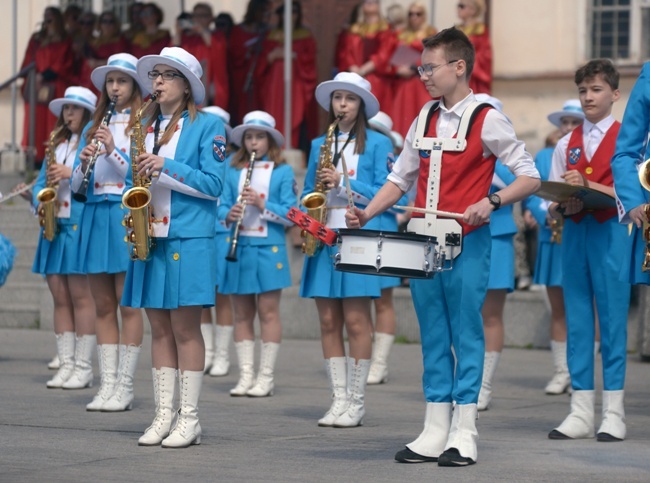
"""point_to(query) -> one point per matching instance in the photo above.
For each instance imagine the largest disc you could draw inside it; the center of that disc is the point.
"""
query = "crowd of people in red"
(386, 51)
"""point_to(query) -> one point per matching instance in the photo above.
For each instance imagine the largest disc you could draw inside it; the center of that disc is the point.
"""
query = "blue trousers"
(592, 254)
(448, 308)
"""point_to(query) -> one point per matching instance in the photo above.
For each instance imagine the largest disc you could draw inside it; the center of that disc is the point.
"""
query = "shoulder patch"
(219, 148)
(425, 154)
(574, 155)
(390, 162)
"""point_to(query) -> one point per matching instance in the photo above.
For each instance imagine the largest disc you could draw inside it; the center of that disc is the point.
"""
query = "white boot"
(379, 362)
(264, 384)
(187, 430)
(580, 421)
(54, 364)
(431, 442)
(65, 347)
(356, 410)
(338, 378)
(490, 362)
(221, 361)
(207, 330)
(561, 380)
(245, 353)
(82, 377)
(460, 449)
(107, 358)
(164, 386)
(122, 398)
(612, 427)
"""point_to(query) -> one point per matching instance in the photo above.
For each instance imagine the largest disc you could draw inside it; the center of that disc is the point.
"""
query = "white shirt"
(498, 137)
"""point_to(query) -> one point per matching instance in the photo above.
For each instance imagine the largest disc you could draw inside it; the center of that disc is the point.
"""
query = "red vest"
(465, 176)
(599, 170)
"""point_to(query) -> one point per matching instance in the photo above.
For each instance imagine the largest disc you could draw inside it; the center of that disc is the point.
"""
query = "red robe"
(409, 95)
(218, 71)
(58, 57)
(241, 57)
(303, 80)
(144, 44)
(362, 43)
(101, 52)
(481, 79)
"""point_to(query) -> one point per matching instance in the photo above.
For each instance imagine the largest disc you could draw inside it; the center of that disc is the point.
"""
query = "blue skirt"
(182, 272)
(258, 269)
(102, 244)
(548, 266)
(319, 279)
(61, 255)
(502, 263)
(222, 244)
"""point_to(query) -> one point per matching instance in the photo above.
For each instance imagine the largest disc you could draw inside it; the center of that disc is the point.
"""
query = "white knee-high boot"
(561, 380)
(431, 442)
(338, 379)
(264, 384)
(461, 449)
(221, 360)
(65, 348)
(207, 330)
(612, 427)
(379, 362)
(82, 376)
(580, 421)
(164, 386)
(491, 361)
(122, 397)
(187, 430)
(107, 356)
(356, 409)
(246, 355)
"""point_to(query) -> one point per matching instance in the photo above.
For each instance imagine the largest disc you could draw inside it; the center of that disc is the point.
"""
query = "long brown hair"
(134, 104)
(66, 133)
(241, 157)
(153, 111)
(359, 129)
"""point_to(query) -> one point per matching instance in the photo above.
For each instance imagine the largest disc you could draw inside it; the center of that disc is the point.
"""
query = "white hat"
(384, 124)
(125, 63)
(79, 96)
(571, 108)
(398, 139)
(493, 101)
(221, 114)
(261, 121)
(348, 81)
(179, 59)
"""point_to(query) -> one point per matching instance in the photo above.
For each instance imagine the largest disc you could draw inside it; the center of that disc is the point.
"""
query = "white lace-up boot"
(54, 364)
(491, 360)
(164, 386)
(82, 377)
(379, 362)
(246, 356)
(264, 383)
(65, 347)
(338, 378)
(207, 330)
(122, 398)
(221, 361)
(187, 430)
(107, 358)
(357, 379)
(561, 380)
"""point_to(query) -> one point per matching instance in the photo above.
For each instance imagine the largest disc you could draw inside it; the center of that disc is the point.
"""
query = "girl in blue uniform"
(58, 259)
(101, 244)
(184, 157)
(217, 339)
(261, 271)
(343, 298)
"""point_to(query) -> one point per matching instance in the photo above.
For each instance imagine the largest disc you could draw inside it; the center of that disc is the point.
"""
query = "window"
(620, 29)
(121, 9)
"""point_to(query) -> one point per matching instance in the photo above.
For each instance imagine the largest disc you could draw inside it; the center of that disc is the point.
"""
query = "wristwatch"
(495, 200)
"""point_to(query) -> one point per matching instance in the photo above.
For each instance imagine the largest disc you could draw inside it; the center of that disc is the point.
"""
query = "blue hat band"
(78, 98)
(121, 63)
(176, 59)
(258, 122)
(573, 109)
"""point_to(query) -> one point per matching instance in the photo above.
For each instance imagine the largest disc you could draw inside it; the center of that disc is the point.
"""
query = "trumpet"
(234, 238)
(81, 194)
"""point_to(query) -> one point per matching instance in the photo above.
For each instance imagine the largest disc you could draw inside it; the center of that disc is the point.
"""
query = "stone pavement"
(46, 434)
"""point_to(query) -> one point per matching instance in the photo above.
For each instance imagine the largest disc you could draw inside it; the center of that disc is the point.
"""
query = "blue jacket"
(536, 205)
(502, 221)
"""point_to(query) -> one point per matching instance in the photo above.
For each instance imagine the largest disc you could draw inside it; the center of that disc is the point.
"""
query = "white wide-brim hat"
(79, 96)
(381, 122)
(348, 81)
(223, 115)
(398, 139)
(179, 59)
(571, 108)
(493, 101)
(125, 63)
(260, 120)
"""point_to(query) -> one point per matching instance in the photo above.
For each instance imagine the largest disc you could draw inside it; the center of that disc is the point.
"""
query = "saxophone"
(644, 178)
(48, 196)
(234, 238)
(316, 202)
(138, 198)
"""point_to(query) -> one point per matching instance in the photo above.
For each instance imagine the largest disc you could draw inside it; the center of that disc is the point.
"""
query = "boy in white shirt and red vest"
(449, 305)
(592, 254)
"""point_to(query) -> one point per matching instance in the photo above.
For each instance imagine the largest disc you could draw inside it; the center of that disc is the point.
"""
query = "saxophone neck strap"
(156, 132)
(337, 153)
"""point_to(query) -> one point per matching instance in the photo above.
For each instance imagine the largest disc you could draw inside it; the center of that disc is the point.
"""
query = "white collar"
(603, 125)
(459, 107)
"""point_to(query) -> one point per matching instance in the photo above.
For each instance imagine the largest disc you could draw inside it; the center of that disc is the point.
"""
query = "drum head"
(388, 234)
(386, 271)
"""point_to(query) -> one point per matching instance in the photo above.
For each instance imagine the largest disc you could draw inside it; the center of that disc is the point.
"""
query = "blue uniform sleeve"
(229, 194)
(312, 164)
(40, 183)
(379, 150)
(287, 199)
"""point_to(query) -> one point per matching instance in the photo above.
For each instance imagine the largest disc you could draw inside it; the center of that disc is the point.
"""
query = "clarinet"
(234, 238)
(80, 195)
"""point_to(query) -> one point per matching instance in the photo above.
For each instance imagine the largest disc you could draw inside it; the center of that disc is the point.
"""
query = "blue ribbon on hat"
(573, 109)
(122, 63)
(177, 60)
(78, 98)
(259, 122)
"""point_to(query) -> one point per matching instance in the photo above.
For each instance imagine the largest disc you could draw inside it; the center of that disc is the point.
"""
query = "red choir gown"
(218, 71)
(101, 51)
(243, 53)
(481, 79)
(145, 44)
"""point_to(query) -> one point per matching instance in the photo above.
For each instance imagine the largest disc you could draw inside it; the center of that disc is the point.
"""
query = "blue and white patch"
(390, 162)
(425, 154)
(574, 155)
(295, 187)
(219, 148)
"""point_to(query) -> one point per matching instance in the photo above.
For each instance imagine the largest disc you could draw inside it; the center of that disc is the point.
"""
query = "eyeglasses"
(429, 69)
(416, 14)
(167, 76)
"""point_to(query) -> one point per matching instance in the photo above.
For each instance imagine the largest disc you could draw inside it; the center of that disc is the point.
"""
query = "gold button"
(74, 227)
(123, 222)
(279, 266)
(126, 239)
(589, 170)
(176, 256)
(227, 239)
(274, 249)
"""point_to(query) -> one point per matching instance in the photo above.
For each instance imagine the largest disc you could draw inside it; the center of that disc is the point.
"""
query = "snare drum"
(406, 255)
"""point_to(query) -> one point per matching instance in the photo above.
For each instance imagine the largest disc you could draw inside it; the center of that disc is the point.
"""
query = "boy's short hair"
(603, 67)
(456, 46)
